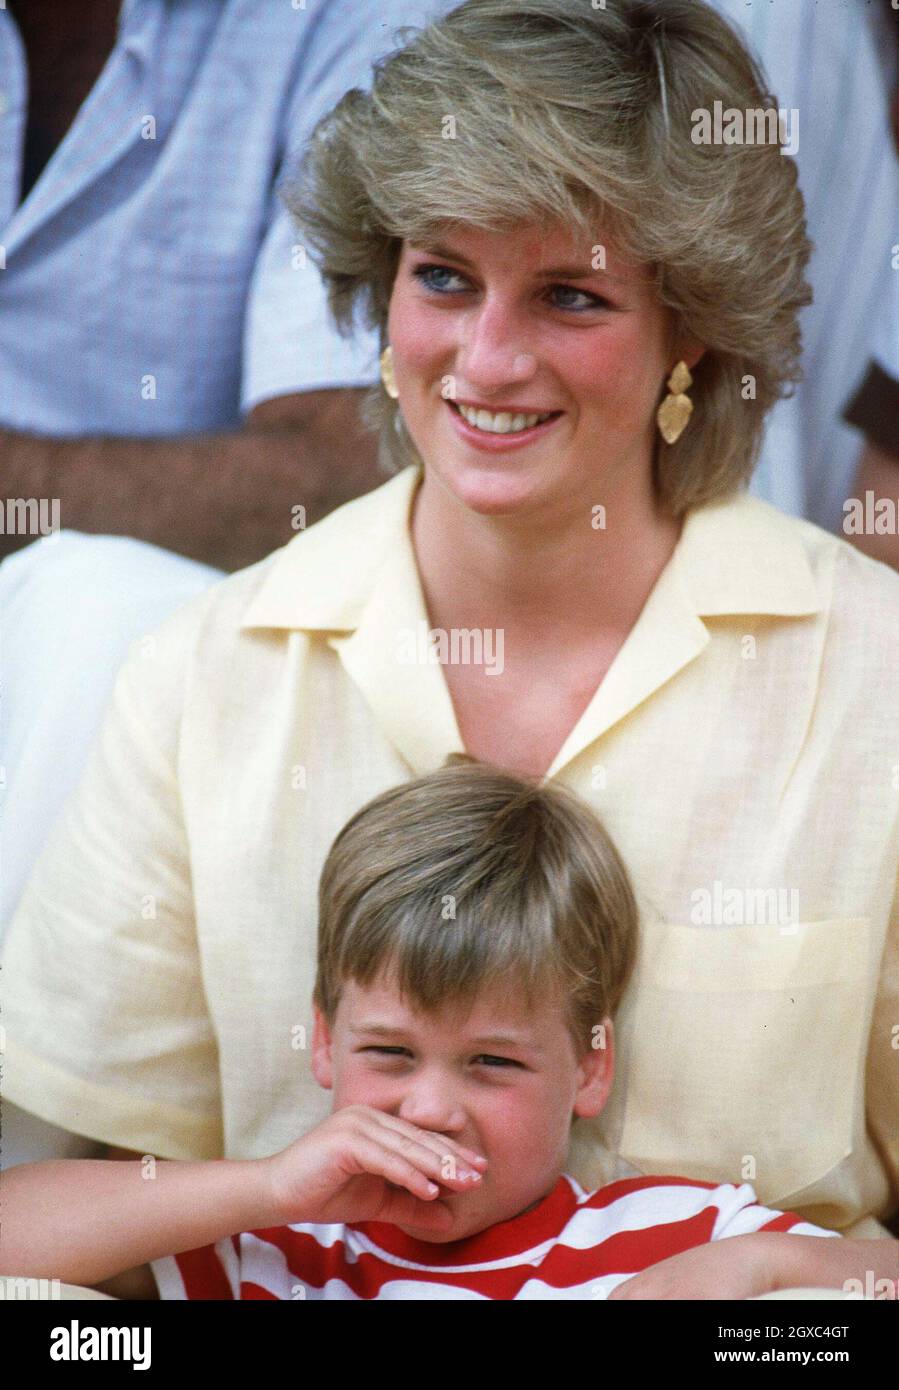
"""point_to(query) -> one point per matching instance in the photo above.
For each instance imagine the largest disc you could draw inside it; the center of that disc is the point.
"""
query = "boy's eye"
(486, 1056)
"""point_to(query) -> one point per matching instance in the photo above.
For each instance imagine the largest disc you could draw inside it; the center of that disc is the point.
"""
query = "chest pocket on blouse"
(744, 1043)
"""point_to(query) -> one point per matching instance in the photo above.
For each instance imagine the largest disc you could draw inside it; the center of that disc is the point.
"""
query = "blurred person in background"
(835, 63)
(168, 371)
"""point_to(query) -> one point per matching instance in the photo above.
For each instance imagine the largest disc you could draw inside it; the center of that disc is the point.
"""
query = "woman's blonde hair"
(469, 878)
(554, 111)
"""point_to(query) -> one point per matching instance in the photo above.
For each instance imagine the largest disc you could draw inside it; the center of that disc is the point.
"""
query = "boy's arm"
(84, 1221)
(745, 1266)
(810, 1262)
(756, 1250)
(137, 1283)
(89, 1220)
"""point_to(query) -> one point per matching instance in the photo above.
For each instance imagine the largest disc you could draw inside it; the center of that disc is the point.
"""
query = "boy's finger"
(441, 1144)
(419, 1169)
(427, 1151)
(386, 1162)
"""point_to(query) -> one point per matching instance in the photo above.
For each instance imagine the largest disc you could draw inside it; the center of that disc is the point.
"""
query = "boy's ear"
(322, 1064)
(596, 1071)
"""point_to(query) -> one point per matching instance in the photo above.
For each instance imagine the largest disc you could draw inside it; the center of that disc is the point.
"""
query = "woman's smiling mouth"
(501, 429)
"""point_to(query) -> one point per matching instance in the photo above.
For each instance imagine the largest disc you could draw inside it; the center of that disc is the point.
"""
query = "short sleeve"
(211, 1272)
(108, 1031)
(290, 343)
(739, 1214)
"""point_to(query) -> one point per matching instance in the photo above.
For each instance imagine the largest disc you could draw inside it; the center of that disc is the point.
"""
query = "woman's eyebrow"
(559, 272)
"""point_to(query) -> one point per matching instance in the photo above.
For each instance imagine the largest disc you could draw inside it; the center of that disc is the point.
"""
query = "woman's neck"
(551, 573)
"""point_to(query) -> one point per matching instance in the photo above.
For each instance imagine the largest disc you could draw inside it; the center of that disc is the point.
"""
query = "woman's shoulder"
(860, 594)
(847, 585)
(853, 639)
(338, 552)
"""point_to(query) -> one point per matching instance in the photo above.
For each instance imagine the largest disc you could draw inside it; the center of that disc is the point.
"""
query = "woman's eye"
(441, 279)
(588, 301)
(434, 277)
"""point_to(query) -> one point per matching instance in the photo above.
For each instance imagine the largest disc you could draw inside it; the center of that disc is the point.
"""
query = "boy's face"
(502, 1080)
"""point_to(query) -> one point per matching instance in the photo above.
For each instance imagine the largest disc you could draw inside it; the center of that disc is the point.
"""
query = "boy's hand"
(734, 1267)
(361, 1164)
(766, 1261)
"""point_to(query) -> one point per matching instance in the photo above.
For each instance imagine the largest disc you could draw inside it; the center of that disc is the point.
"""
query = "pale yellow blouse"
(743, 750)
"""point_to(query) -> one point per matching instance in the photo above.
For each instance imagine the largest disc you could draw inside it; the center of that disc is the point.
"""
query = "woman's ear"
(692, 351)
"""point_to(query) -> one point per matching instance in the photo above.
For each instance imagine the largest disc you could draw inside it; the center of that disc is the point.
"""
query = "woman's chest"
(519, 721)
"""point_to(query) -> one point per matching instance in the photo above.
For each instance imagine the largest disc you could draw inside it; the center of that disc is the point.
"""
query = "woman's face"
(523, 324)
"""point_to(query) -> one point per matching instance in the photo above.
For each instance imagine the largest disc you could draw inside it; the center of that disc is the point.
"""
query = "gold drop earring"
(387, 373)
(676, 408)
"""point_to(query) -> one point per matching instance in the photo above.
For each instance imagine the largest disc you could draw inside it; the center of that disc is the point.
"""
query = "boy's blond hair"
(469, 878)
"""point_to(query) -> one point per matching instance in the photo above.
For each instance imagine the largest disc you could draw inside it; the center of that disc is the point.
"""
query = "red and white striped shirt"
(572, 1245)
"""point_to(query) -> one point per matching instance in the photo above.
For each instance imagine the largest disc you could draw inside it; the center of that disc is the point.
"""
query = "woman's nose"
(493, 351)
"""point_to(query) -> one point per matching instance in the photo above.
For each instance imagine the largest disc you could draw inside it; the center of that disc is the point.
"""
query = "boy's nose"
(432, 1105)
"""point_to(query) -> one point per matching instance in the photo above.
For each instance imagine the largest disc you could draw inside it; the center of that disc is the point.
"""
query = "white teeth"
(503, 423)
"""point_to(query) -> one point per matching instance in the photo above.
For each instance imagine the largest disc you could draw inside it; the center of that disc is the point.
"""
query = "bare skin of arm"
(226, 499)
(133, 1283)
(878, 472)
(176, 1206)
(763, 1262)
